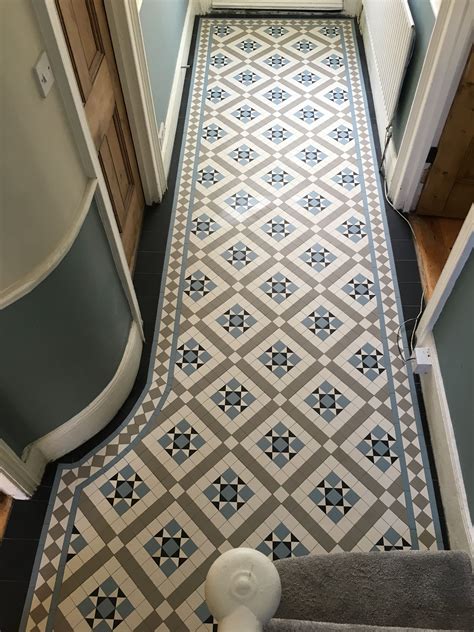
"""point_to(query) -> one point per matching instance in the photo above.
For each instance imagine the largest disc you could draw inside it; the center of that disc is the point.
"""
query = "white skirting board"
(20, 477)
(171, 121)
(448, 466)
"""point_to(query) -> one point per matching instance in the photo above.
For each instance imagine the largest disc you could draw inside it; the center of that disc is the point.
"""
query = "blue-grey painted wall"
(454, 336)
(162, 24)
(424, 20)
(62, 343)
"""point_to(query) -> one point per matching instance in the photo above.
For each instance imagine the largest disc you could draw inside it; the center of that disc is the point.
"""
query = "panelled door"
(449, 187)
(90, 46)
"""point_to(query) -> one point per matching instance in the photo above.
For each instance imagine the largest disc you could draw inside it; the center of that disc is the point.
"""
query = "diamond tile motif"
(304, 46)
(318, 257)
(280, 444)
(379, 447)
(338, 96)
(353, 229)
(220, 60)
(306, 78)
(181, 442)
(271, 417)
(170, 547)
(311, 155)
(277, 178)
(278, 228)
(239, 255)
(281, 544)
(247, 77)
(124, 489)
(241, 201)
(228, 493)
(314, 202)
(198, 285)
(277, 134)
(203, 226)
(249, 45)
(216, 94)
(276, 31)
(330, 31)
(392, 541)
(243, 154)
(277, 61)
(334, 61)
(279, 287)
(360, 288)
(308, 114)
(236, 320)
(245, 113)
(327, 401)
(233, 398)
(369, 361)
(322, 323)
(213, 132)
(342, 134)
(191, 356)
(279, 359)
(277, 95)
(334, 497)
(106, 607)
(347, 178)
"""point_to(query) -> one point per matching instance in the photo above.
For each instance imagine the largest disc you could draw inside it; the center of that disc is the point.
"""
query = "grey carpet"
(398, 589)
(286, 625)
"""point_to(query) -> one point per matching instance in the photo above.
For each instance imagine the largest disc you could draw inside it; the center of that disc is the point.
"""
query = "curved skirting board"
(100, 411)
(20, 477)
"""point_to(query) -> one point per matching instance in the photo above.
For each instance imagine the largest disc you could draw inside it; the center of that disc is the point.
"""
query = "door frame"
(453, 493)
(129, 48)
(58, 53)
(446, 57)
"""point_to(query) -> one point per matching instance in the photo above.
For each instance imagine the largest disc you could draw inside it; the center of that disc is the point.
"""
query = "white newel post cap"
(243, 590)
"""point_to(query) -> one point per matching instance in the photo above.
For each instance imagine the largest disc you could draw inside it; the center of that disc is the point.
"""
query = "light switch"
(44, 74)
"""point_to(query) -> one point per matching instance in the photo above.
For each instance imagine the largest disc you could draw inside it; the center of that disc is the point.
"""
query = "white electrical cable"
(412, 337)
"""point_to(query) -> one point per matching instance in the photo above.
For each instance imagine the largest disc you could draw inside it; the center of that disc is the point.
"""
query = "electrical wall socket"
(44, 74)
(422, 357)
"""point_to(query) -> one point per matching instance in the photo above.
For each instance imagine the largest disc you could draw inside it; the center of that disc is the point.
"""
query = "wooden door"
(449, 187)
(87, 33)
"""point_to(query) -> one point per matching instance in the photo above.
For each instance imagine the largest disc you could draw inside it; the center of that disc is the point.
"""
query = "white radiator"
(315, 5)
(389, 34)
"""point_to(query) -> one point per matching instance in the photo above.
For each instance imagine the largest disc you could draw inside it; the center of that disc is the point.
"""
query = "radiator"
(315, 5)
(389, 35)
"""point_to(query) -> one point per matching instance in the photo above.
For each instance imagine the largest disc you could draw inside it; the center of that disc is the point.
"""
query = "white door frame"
(127, 39)
(448, 465)
(445, 59)
(58, 53)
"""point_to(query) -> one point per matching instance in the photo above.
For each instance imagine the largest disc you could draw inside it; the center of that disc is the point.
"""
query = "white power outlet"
(422, 359)
(44, 74)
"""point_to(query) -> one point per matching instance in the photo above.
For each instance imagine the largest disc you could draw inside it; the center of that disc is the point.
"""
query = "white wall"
(42, 180)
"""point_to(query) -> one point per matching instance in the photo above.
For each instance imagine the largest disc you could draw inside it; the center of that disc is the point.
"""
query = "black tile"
(12, 598)
(407, 271)
(17, 558)
(410, 293)
(155, 238)
(149, 262)
(404, 249)
(26, 519)
(147, 285)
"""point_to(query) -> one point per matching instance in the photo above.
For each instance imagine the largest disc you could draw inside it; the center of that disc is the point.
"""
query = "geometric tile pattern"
(124, 489)
(106, 607)
(277, 413)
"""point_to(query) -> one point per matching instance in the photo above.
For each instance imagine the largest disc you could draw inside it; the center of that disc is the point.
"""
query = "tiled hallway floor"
(279, 414)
